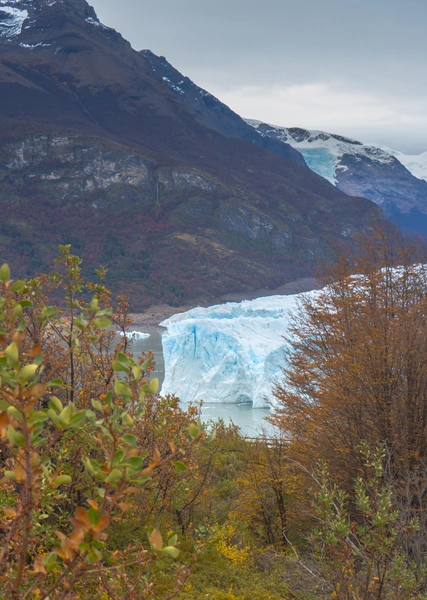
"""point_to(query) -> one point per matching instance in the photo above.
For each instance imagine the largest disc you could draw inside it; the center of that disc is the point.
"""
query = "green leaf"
(119, 367)
(127, 420)
(38, 359)
(114, 476)
(172, 540)
(17, 312)
(50, 562)
(22, 326)
(212, 436)
(55, 383)
(53, 416)
(141, 480)
(14, 437)
(125, 360)
(12, 354)
(137, 373)
(39, 417)
(94, 517)
(92, 466)
(92, 557)
(26, 303)
(94, 305)
(153, 386)
(55, 403)
(171, 551)
(122, 390)
(147, 363)
(130, 440)
(27, 373)
(180, 466)
(77, 419)
(97, 405)
(65, 415)
(18, 286)
(194, 431)
(134, 462)
(4, 273)
(61, 480)
(118, 457)
(84, 547)
(102, 323)
(14, 412)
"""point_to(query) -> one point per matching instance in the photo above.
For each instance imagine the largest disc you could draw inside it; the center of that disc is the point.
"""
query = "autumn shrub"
(76, 449)
(357, 366)
(362, 558)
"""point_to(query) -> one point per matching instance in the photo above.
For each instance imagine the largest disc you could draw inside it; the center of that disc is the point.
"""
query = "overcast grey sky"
(354, 67)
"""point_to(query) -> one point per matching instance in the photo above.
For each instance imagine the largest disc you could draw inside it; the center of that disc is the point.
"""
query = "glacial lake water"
(250, 420)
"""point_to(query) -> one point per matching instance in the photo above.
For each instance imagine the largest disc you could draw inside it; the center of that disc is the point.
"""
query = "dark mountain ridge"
(115, 151)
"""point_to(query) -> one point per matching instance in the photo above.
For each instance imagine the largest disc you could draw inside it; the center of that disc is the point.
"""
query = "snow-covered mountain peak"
(322, 151)
(19, 16)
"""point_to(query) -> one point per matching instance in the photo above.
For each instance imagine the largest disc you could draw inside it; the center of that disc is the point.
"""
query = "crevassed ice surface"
(11, 20)
(322, 162)
(230, 352)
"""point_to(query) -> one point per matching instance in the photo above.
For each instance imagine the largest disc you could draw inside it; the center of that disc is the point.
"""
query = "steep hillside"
(391, 179)
(114, 151)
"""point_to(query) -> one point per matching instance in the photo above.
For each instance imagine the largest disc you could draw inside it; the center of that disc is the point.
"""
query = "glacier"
(231, 353)
(323, 151)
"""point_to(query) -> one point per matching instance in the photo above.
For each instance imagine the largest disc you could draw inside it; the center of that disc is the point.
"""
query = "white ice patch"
(231, 353)
(415, 163)
(93, 21)
(35, 45)
(138, 335)
(174, 86)
(323, 151)
(11, 21)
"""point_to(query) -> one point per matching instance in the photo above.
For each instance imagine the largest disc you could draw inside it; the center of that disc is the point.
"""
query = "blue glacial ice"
(230, 352)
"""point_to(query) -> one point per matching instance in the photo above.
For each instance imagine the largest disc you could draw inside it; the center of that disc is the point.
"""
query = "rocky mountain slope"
(394, 181)
(116, 152)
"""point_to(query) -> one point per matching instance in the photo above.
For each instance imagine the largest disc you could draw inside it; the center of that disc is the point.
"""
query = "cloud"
(333, 108)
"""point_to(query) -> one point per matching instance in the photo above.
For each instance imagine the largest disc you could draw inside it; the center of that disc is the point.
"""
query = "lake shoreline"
(155, 314)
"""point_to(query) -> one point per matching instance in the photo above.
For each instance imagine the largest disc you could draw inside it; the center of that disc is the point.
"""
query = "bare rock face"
(117, 153)
(67, 169)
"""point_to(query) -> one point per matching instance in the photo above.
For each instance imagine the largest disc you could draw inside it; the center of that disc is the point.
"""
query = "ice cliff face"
(230, 352)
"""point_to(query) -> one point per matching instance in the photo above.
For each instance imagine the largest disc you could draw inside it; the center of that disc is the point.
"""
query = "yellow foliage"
(223, 541)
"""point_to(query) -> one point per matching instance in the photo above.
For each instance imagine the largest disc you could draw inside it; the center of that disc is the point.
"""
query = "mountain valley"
(114, 151)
